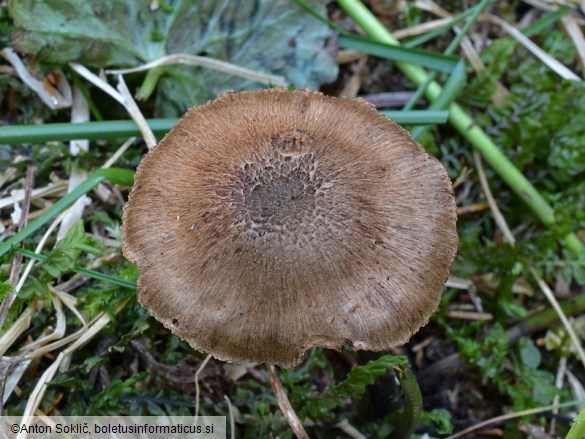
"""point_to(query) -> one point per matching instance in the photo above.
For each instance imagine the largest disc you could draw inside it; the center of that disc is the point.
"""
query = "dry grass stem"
(502, 418)
(354, 82)
(59, 330)
(119, 152)
(17, 258)
(421, 28)
(562, 316)
(79, 114)
(37, 394)
(559, 380)
(548, 60)
(17, 196)
(498, 217)
(349, 429)
(97, 81)
(16, 329)
(135, 113)
(61, 363)
(210, 63)
(123, 96)
(573, 29)
(74, 213)
(197, 389)
(52, 97)
(469, 315)
(231, 417)
(346, 56)
(290, 415)
(577, 389)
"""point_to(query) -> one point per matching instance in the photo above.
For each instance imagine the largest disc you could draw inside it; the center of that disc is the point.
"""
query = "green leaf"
(108, 401)
(355, 384)
(95, 33)
(272, 36)
(5, 288)
(67, 251)
(440, 418)
(529, 354)
(361, 376)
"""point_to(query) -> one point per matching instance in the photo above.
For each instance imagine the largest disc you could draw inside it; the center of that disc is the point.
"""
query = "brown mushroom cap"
(268, 222)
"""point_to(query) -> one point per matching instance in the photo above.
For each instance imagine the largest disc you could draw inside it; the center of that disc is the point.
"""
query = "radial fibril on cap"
(269, 222)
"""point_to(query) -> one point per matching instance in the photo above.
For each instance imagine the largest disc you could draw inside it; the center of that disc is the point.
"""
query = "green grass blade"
(545, 21)
(112, 129)
(86, 130)
(421, 39)
(416, 117)
(577, 430)
(432, 60)
(117, 176)
(85, 271)
(451, 90)
(453, 45)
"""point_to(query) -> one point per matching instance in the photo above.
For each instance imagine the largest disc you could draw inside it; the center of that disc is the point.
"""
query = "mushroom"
(269, 222)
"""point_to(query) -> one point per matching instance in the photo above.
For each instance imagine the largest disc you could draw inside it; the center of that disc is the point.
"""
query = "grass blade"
(85, 271)
(118, 176)
(112, 129)
(418, 117)
(431, 60)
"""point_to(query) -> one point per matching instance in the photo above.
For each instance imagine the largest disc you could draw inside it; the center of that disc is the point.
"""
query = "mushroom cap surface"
(269, 222)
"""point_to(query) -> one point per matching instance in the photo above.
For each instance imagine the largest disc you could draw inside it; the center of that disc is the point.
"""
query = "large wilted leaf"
(273, 36)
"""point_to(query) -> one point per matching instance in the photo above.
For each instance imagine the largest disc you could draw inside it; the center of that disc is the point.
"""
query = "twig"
(291, 417)
(17, 259)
